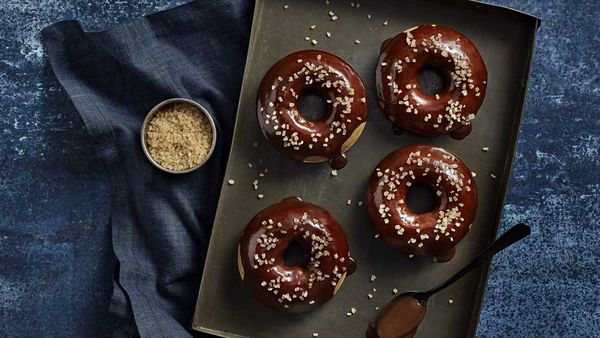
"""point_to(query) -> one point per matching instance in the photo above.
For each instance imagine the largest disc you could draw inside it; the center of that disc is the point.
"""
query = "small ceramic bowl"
(156, 109)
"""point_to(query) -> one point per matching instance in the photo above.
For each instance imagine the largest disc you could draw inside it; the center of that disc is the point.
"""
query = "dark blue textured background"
(55, 254)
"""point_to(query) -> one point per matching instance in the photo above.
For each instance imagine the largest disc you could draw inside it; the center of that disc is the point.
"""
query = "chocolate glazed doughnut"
(435, 232)
(294, 288)
(312, 141)
(400, 96)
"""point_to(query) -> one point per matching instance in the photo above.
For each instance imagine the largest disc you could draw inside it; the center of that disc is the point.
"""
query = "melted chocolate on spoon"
(401, 317)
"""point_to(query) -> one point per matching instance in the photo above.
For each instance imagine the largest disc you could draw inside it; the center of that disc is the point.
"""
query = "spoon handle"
(510, 237)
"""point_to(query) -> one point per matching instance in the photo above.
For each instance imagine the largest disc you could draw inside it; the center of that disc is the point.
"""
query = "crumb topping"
(312, 231)
(461, 76)
(312, 73)
(448, 184)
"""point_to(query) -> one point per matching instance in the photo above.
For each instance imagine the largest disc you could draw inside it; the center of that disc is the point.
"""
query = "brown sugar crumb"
(179, 136)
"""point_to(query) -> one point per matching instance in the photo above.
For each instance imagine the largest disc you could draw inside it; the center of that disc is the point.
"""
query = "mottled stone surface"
(55, 254)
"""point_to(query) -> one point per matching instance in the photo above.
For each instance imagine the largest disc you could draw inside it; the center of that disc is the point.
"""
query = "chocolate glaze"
(400, 318)
(400, 62)
(462, 132)
(338, 162)
(433, 233)
(288, 131)
(294, 288)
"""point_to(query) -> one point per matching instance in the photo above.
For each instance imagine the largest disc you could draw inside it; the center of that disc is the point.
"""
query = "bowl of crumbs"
(178, 136)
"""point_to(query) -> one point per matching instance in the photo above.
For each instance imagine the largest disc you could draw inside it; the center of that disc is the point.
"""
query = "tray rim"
(483, 281)
(485, 269)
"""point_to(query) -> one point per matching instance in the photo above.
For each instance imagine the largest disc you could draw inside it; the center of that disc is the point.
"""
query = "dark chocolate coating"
(294, 288)
(433, 233)
(398, 88)
(287, 130)
(399, 318)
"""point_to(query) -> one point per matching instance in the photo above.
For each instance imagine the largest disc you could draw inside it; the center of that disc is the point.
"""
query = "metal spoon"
(402, 303)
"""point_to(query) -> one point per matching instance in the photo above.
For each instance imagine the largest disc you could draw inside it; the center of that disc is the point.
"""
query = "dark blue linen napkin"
(160, 223)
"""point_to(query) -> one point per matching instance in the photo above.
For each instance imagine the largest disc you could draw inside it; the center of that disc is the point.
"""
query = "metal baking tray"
(506, 40)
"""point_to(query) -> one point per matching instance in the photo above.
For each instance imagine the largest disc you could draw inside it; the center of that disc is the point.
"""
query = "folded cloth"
(160, 222)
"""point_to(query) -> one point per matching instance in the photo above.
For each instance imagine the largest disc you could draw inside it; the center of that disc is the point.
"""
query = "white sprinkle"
(411, 256)
(368, 16)
(395, 291)
(353, 310)
(315, 334)
(357, 42)
(376, 236)
(306, 38)
(363, 99)
(373, 278)
(249, 165)
(334, 172)
(450, 301)
(493, 176)
(328, 34)
(231, 182)
(313, 42)
(385, 23)
(349, 202)
(260, 196)
(313, 27)
(485, 148)
(360, 203)
(286, 6)
(370, 296)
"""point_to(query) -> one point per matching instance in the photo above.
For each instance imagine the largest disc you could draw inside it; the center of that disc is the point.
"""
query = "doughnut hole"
(312, 105)
(433, 80)
(421, 198)
(295, 255)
